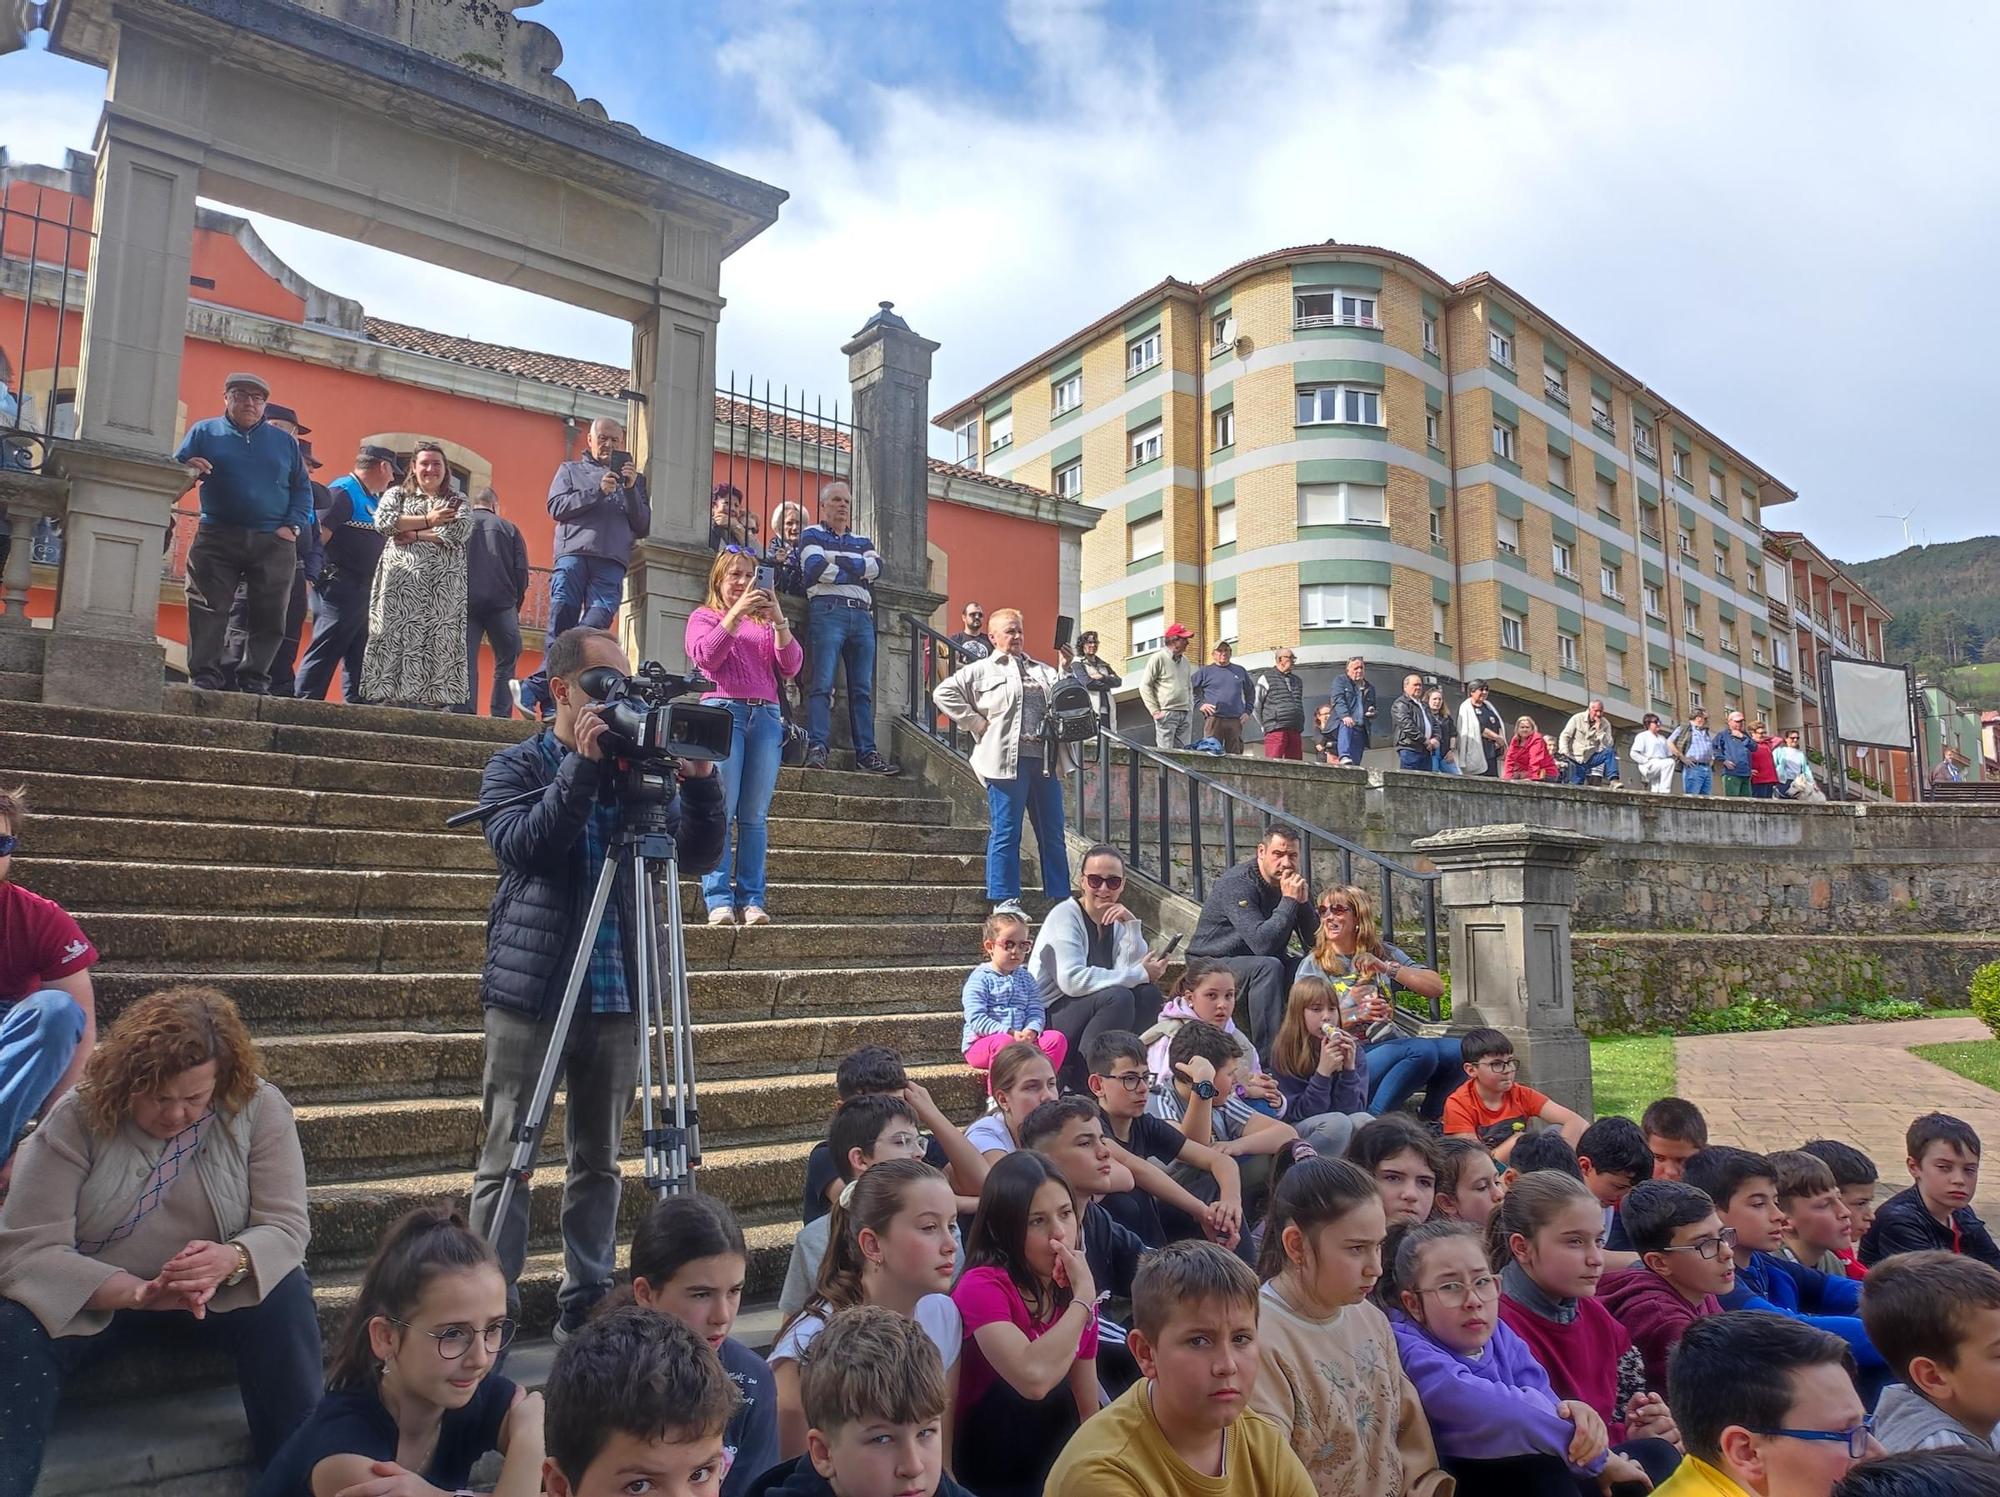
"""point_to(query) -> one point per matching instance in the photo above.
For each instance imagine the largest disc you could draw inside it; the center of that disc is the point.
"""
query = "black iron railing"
(1176, 825)
(44, 259)
(780, 451)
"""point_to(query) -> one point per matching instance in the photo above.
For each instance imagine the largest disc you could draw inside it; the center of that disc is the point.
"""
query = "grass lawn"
(1975, 1060)
(1629, 1071)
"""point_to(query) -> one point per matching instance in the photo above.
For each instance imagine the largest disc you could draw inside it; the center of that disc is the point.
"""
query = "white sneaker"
(722, 915)
(754, 914)
(1010, 907)
(514, 690)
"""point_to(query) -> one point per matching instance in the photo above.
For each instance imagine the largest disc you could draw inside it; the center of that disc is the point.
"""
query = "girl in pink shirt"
(740, 640)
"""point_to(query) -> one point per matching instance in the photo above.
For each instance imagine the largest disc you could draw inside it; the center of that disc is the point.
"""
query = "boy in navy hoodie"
(1936, 1212)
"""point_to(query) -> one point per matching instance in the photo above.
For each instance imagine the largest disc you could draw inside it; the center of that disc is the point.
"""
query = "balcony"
(1603, 422)
(1781, 612)
(1643, 445)
(1782, 680)
(1336, 319)
(1556, 391)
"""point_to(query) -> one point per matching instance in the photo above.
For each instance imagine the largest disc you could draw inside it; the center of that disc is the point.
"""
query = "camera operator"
(550, 853)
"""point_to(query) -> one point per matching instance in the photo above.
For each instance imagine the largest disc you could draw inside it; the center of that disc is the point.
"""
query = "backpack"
(1071, 716)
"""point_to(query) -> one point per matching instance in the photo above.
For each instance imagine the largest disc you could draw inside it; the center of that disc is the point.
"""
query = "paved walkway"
(1854, 1082)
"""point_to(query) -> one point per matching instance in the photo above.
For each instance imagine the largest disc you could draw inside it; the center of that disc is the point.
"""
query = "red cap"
(1179, 631)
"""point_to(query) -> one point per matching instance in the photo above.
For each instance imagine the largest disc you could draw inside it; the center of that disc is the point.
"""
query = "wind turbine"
(1904, 519)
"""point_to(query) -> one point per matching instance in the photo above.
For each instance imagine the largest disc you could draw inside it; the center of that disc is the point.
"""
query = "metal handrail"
(1177, 853)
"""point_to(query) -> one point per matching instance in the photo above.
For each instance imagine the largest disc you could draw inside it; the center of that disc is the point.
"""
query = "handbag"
(793, 745)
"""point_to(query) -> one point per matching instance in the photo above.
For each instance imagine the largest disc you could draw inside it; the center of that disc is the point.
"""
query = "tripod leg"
(687, 1115)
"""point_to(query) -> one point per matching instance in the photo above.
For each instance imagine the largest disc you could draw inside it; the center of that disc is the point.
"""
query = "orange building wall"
(1001, 561)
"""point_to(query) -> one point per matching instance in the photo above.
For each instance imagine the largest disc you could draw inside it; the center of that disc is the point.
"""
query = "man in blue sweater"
(839, 567)
(255, 499)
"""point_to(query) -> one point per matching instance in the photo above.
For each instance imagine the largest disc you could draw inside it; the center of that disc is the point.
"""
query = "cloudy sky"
(1781, 216)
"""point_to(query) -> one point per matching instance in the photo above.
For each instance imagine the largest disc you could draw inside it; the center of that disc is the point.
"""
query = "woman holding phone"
(416, 613)
(1093, 966)
(739, 638)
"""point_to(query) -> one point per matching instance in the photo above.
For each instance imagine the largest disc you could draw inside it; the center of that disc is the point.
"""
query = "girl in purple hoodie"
(1499, 1427)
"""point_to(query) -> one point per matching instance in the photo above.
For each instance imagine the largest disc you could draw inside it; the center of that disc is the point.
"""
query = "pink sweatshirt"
(745, 664)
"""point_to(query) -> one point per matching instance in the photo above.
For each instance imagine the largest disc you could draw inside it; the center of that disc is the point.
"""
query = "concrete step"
(287, 943)
(20, 686)
(372, 1064)
(367, 1140)
(298, 1004)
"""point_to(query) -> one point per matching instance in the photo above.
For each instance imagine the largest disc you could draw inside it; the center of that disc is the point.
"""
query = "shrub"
(1986, 996)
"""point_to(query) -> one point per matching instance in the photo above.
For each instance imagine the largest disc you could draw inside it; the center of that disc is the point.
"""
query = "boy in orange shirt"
(1493, 1106)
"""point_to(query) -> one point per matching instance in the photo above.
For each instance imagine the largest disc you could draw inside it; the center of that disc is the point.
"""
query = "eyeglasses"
(1328, 911)
(1505, 1067)
(7, 846)
(454, 1341)
(1709, 1247)
(734, 550)
(1855, 1439)
(1134, 1081)
(1105, 880)
(1485, 1287)
(1014, 945)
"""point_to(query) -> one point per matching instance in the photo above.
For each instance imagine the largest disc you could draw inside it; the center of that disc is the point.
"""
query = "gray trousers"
(221, 558)
(599, 1077)
(1170, 731)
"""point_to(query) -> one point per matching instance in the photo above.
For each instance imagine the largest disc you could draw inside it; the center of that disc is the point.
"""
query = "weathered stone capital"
(1510, 842)
(125, 466)
(886, 345)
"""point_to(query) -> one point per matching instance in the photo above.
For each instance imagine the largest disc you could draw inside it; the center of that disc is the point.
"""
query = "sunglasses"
(1105, 880)
(1335, 909)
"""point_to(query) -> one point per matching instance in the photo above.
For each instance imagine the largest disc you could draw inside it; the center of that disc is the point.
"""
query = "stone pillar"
(1508, 891)
(889, 367)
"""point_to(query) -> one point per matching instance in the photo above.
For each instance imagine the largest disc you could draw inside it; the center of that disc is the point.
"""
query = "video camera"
(645, 723)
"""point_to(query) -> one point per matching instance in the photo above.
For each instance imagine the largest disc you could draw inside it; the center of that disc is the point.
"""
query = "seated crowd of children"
(1180, 1278)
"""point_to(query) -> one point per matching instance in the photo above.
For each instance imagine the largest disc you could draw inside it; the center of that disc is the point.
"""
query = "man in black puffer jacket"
(551, 852)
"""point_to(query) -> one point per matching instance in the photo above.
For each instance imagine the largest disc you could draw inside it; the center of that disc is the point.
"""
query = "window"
(1555, 384)
(1350, 405)
(1433, 436)
(1504, 438)
(1725, 638)
(1225, 621)
(1694, 698)
(1069, 393)
(1507, 531)
(1149, 631)
(1225, 427)
(1430, 333)
(1142, 353)
(1333, 309)
(1721, 562)
(1568, 650)
(1642, 442)
(1500, 348)
(1730, 704)
(1652, 595)
(1343, 504)
(1611, 581)
(1784, 655)
(1656, 683)
(1437, 527)
(1614, 667)
(1068, 480)
(965, 442)
(1513, 630)
(1438, 623)
(1715, 488)
(1559, 470)
(1681, 463)
(1222, 327)
(1563, 556)
(1225, 525)
(1607, 494)
(1687, 542)
(1750, 506)
(1756, 649)
(1147, 537)
(1691, 617)
(1000, 432)
(1600, 415)
(1145, 444)
(1355, 605)
(1752, 583)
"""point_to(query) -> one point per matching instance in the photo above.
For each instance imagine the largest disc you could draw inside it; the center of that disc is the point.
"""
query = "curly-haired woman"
(416, 614)
(164, 1197)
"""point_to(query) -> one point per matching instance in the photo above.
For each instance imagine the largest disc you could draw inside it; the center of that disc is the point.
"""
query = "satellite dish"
(1244, 346)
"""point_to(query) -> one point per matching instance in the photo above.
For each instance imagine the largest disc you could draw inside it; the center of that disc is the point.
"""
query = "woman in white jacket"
(1003, 701)
(1653, 755)
(1092, 964)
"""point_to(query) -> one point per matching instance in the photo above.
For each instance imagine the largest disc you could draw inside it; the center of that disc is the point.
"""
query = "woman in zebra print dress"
(416, 614)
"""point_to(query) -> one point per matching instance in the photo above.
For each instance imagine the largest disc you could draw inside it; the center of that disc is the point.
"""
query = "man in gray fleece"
(1248, 921)
(1935, 1317)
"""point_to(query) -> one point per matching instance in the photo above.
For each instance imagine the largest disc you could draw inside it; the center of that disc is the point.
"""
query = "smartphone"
(1173, 945)
(1065, 628)
(617, 461)
(767, 581)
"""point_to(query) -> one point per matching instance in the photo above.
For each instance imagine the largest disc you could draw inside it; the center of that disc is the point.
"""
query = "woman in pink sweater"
(739, 639)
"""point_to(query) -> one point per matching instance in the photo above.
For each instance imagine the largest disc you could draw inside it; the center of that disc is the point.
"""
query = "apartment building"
(1333, 448)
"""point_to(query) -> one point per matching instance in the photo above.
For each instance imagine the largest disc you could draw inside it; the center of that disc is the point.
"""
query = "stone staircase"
(293, 855)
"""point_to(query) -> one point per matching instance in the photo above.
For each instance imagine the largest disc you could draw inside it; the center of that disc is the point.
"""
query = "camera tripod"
(644, 850)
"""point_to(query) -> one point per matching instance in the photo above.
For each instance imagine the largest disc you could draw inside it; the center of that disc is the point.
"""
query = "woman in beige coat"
(1003, 701)
(162, 1200)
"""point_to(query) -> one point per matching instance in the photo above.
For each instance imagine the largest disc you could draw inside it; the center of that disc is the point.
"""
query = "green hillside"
(1946, 599)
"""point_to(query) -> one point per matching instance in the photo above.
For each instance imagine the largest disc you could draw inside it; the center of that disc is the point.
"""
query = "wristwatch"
(242, 1267)
(1204, 1090)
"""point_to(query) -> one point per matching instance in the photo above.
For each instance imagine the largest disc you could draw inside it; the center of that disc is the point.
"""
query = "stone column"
(889, 367)
(1508, 891)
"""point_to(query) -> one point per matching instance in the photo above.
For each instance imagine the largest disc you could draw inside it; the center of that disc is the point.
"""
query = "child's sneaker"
(1010, 907)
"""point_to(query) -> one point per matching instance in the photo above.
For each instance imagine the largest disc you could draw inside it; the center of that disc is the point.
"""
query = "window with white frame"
(1437, 527)
(1753, 582)
(1559, 470)
(1333, 308)
(1513, 633)
(1142, 353)
(1439, 622)
(1562, 555)
(1222, 331)
(1225, 524)
(1614, 667)
(965, 441)
(1433, 430)
(1500, 348)
(1068, 480)
(1430, 333)
(1600, 413)
(1783, 648)
(1725, 638)
(1694, 697)
(1353, 605)
(1348, 405)
(1144, 444)
(1691, 616)
(1225, 621)
(1750, 506)
(1000, 432)
(1505, 439)
(1721, 562)
(1656, 683)
(1686, 542)
(1507, 531)
(1569, 650)
(1715, 487)
(1147, 537)
(1682, 464)
(1653, 608)
(1343, 504)
(1555, 383)
(1611, 580)
(1149, 631)
(1225, 427)
(1729, 705)
(1757, 649)
(1607, 494)
(1067, 394)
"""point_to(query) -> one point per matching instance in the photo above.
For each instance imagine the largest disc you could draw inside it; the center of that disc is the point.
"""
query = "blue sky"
(1782, 216)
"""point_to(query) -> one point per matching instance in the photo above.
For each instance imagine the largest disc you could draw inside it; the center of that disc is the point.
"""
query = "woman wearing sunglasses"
(1091, 961)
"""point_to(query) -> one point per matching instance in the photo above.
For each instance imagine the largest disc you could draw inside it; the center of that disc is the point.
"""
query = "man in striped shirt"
(839, 568)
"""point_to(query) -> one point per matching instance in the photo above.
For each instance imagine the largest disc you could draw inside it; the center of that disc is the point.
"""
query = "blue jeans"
(1041, 795)
(583, 590)
(1697, 779)
(1414, 759)
(1350, 743)
(1409, 1061)
(38, 1037)
(1605, 758)
(1441, 765)
(749, 775)
(839, 635)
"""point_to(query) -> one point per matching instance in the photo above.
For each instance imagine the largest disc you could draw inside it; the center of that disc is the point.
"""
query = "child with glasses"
(1687, 1262)
(1122, 1083)
(1496, 1108)
(411, 1389)
(1002, 1000)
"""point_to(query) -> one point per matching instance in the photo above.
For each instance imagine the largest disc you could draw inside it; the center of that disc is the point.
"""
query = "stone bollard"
(1508, 891)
